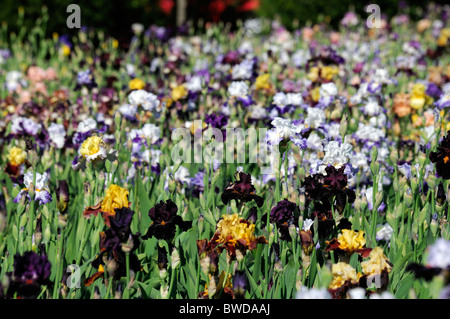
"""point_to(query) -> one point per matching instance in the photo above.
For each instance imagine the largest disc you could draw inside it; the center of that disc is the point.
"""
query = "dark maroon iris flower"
(333, 185)
(121, 221)
(284, 214)
(325, 191)
(165, 219)
(242, 190)
(441, 158)
(115, 242)
(421, 271)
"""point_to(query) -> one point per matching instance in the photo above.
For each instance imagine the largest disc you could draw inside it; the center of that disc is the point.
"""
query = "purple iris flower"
(86, 79)
(30, 272)
(433, 90)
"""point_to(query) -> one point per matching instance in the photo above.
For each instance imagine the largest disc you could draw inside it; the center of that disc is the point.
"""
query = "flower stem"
(86, 235)
(59, 258)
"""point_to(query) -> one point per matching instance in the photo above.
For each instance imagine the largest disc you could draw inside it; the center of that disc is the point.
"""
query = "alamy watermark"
(228, 145)
(74, 19)
(74, 279)
(373, 20)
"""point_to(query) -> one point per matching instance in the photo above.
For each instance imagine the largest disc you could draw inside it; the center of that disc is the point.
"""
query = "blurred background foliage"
(313, 11)
(116, 16)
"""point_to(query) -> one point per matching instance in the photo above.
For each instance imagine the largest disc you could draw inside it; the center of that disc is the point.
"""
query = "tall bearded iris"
(327, 191)
(350, 242)
(329, 186)
(93, 150)
(30, 272)
(164, 221)
(116, 197)
(42, 193)
(284, 131)
(115, 243)
(241, 190)
(284, 214)
(16, 157)
(235, 233)
(441, 158)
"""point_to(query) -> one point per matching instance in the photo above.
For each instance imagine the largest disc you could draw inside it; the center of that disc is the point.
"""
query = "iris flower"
(441, 157)
(179, 92)
(42, 193)
(284, 214)
(418, 97)
(329, 186)
(164, 221)
(378, 265)
(349, 241)
(136, 84)
(345, 277)
(234, 233)
(30, 272)
(16, 157)
(285, 130)
(85, 78)
(115, 242)
(147, 100)
(241, 190)
(262, 82)
(116, 197)
(93, 150)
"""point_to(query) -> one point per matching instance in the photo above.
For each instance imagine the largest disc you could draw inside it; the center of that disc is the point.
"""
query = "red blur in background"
(213, 8)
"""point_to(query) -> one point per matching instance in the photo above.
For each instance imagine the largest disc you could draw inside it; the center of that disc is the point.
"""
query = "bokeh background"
(116, 17)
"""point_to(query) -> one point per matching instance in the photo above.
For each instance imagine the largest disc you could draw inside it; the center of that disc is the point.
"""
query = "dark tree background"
(116, 16)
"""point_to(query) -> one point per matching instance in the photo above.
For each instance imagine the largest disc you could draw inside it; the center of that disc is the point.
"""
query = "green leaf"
(215, 177)
(401, 262)
(144, 207)
(354, 260)
(254, 287)
(207, 214)
(312, 269)
(290, 274)
(404, 286)
(256, 273)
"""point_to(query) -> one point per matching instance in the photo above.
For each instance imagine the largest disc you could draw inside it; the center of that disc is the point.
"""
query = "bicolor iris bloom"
(41, 190)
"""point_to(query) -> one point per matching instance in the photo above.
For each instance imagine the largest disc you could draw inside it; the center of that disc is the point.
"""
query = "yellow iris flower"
(179, 92)
(65, 50)
(90, 146)
(377, 262)
(350, 241)
(116, 197)
(230, 228)
(343, 272)
(328, 72)
(315, 94)
(17, 156)
(262, 82)
(443, 37)
(418, 96)
(313, 74)
(136, 84)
